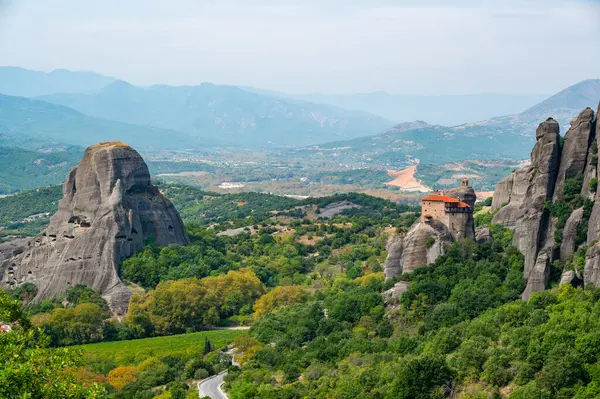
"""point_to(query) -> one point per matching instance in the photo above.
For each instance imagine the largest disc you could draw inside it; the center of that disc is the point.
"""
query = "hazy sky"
(333, 46)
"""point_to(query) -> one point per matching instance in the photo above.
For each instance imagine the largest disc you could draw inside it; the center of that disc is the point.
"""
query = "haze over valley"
(284, 145)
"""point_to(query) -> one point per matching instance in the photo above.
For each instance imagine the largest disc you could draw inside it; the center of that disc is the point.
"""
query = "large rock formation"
(422, 245)
(530, 188)
(442, 222)
(575, 150)
(521, 197)
(108, 211)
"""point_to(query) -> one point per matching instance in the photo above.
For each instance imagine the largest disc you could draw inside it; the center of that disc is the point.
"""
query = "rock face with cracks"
(523, 201)
(422, 245)
(109, 210)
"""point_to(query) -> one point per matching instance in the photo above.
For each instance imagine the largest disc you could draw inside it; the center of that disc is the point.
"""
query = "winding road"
(211, 387)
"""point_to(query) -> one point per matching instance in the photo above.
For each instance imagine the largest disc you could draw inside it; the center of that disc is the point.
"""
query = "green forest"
(311, 290)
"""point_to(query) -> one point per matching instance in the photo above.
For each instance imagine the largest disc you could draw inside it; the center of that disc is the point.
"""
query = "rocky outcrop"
(531, 187)
(569, 241)
(538, 276)
(396, 291)
(594, 225)
(575, 150)
(108, 211)
(503, 192)
(393, 263)
(422, 245)
(591, 273)
(483, 235)
(571, 278)
(520, 200)
(591, 168)
(464, 193)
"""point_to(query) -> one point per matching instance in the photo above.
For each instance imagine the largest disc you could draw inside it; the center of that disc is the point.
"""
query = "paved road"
(211, 387)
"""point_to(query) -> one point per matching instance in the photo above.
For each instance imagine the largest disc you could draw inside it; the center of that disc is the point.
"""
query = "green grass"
(127, 353)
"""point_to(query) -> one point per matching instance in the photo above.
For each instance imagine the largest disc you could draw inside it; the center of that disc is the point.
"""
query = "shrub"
(201, 374)
(430, 241)
(593, 184)
(122, 376)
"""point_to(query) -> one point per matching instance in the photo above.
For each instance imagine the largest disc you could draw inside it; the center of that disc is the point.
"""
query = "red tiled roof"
(440, 198)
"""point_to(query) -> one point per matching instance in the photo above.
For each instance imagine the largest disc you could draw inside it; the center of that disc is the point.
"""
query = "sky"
(424, 47)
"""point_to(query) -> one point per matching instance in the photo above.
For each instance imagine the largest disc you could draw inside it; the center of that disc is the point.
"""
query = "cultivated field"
(124, 353)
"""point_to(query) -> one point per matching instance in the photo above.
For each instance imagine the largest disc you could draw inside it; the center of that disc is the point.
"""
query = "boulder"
(569, 277)
(396, 291)
(483, 235)
(109, 210)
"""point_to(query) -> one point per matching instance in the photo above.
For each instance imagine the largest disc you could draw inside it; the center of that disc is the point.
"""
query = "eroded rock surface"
(569, 242)
(522, 200)
(422, 245)
(591, 273)
(108, 211)
(483, 235)
(532, 186)
(575, 150)
(538, 276)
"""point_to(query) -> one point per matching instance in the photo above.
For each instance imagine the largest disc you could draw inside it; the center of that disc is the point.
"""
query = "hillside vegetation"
(312, 288)
(24, 170)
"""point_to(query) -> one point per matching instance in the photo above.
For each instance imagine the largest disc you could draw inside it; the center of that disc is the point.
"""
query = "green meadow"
(129, 353)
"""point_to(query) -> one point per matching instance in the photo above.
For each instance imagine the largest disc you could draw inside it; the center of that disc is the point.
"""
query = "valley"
(237, 147)
(333, 252)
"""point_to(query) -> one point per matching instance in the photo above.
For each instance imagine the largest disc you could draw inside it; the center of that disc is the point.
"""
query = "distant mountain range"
(67, 111)
(507, 137)
(225, 113)
(449, 110)
(20, 82)
(34, 124)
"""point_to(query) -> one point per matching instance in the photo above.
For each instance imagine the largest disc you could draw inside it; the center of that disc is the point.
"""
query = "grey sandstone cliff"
(531, 187)
(569, 244)
(520, 201)
(575, 150)
(427, 238)
(422, 245)
(108, 211)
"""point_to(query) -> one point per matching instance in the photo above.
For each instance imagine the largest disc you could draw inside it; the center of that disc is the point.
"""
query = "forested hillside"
(312, 289)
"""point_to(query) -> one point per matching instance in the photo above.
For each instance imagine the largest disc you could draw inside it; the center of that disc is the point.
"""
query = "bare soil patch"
(405, 179)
